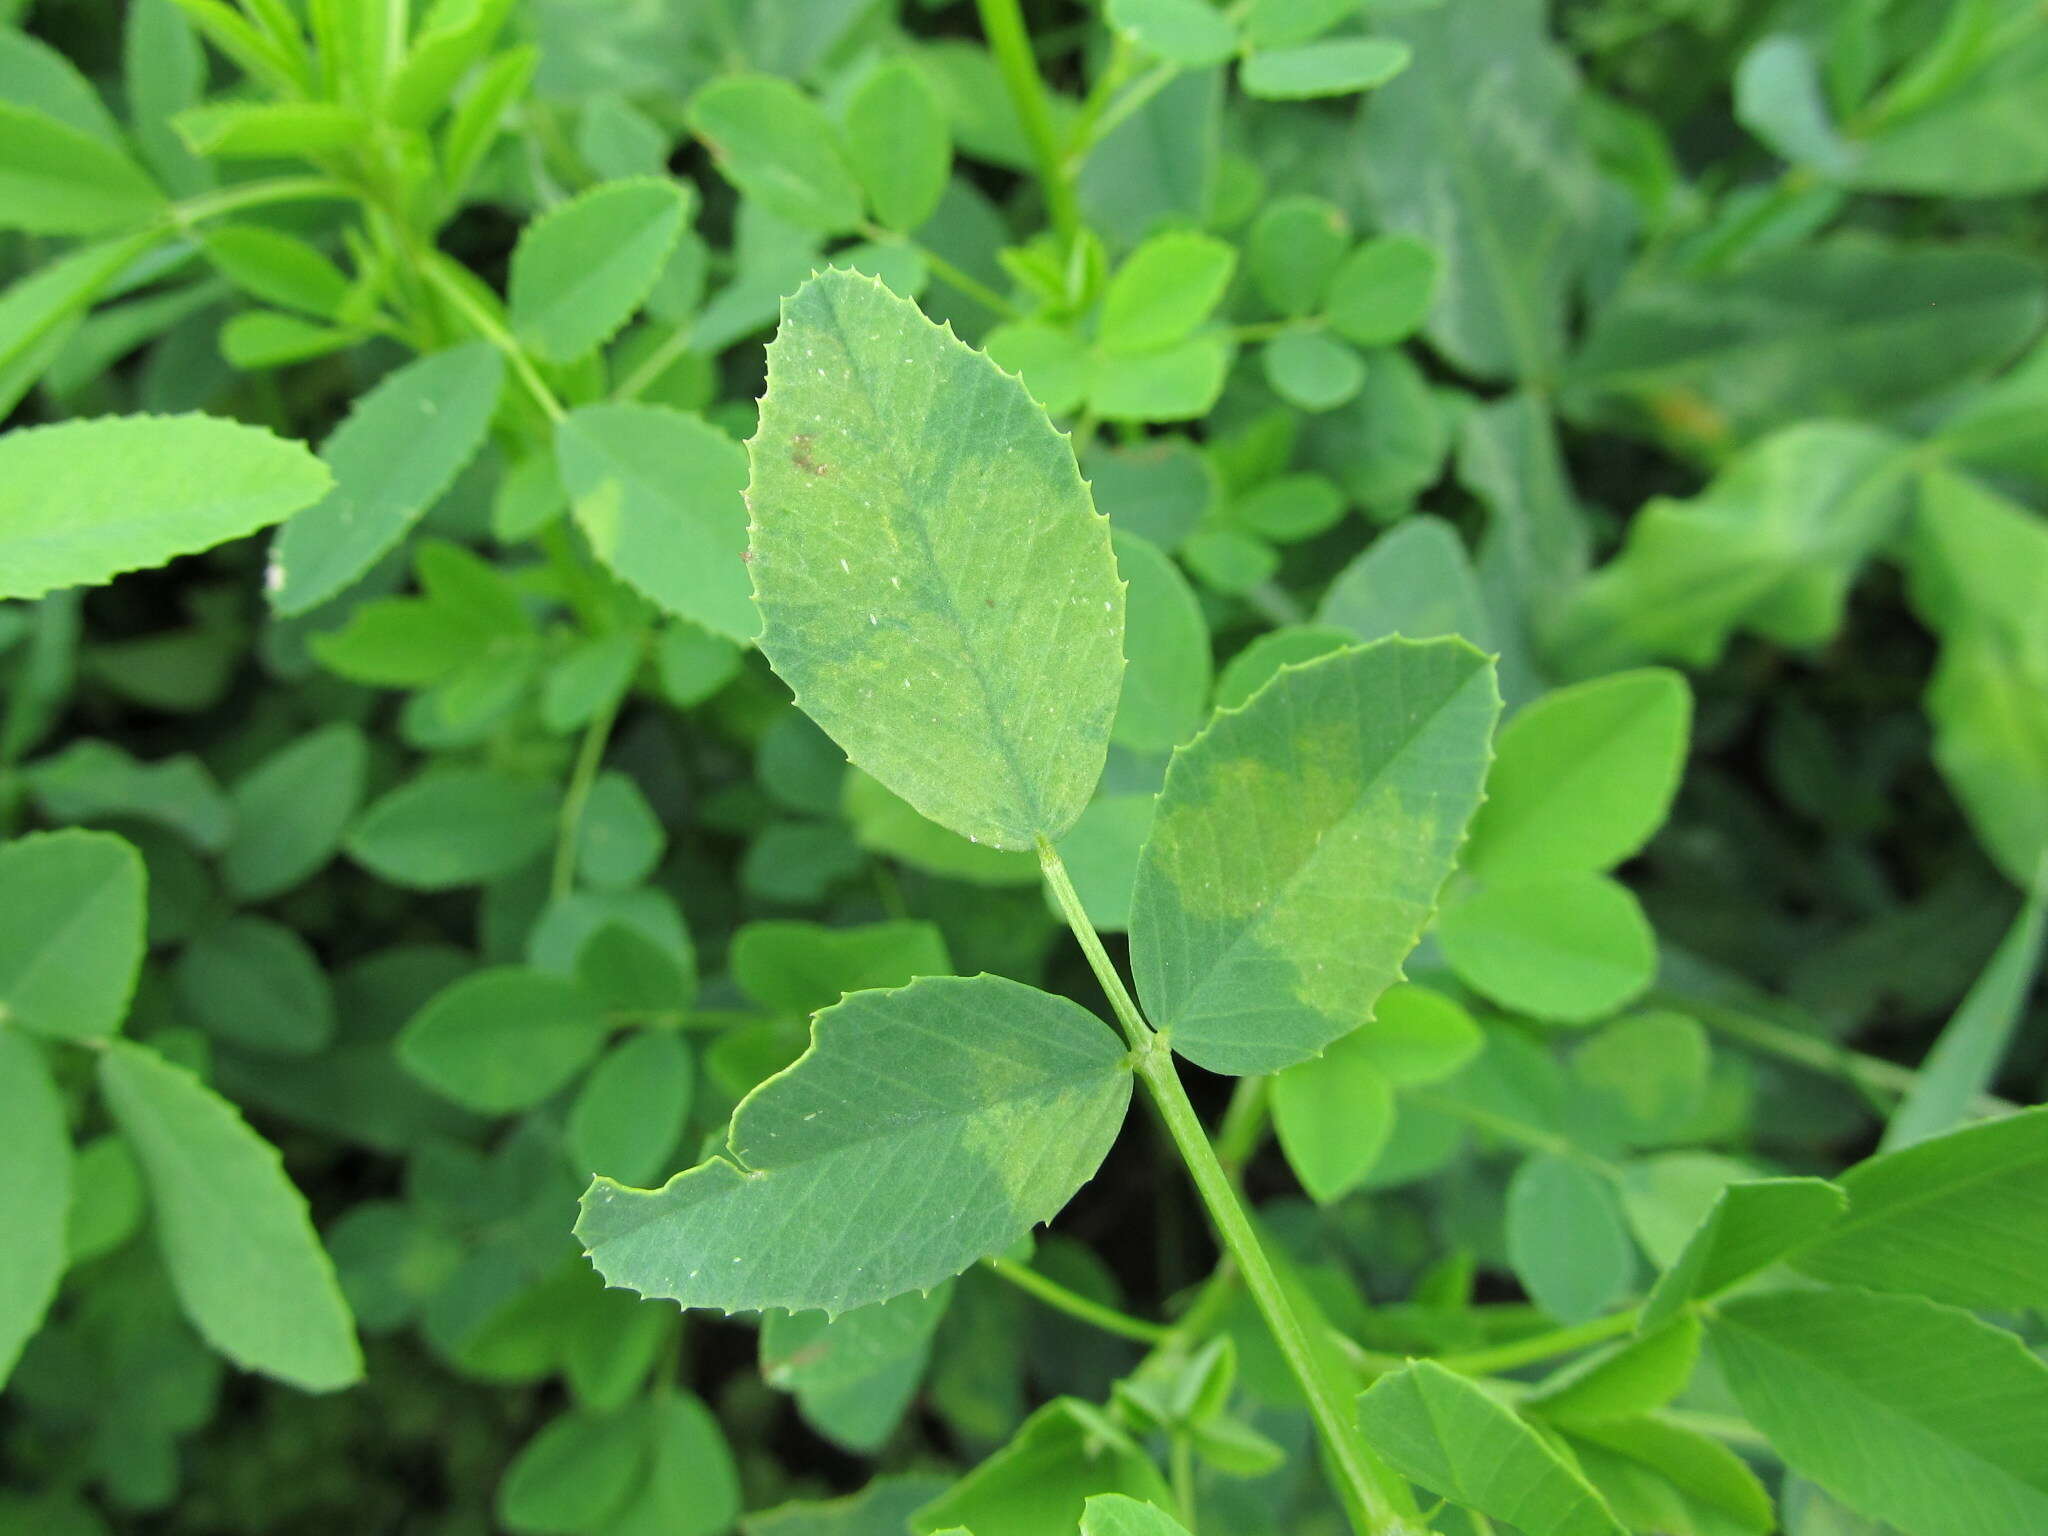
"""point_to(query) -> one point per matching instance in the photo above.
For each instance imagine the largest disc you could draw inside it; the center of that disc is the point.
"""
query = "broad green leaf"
(1177, 382)
(1417, 1036)
(1289, 646)
(1296, 245)
(1166, 682)
(452, 827)
(1443, 1431)
(1414, 580)
(1387, 444)
(90, 780)
(1338, 67)
(453, 37)
(1506, 195)
(933, 582)
(242, 1254)
(1781, 97)
(1052, 360)
(1656, 1476)
(660, 494)
(56, 179)
(1982, 137)
(164, 70)
(900, 146)
(692, 1487)
(257, 985)
(270, 130)
(1333, 1114)
(1567, 948)
(503, 1039)
(1190, 33)
(1308, 369)
(1962, 1218)
(1566, 1239)
(924, 1129)
(1290, 508)
(1582, 777)
(36, 76)
(83, 501)
(1848, 326)
(1988, 702)
(1359, 772)
(575, 1475)
(1629, 1379)
(36, 1195)
(400, 448)
(630, 1110)
(1381, 293)
(1101, 854)
(1159, 488)
(71, 917)
(883, 823)
(1967, 1056)
(1118, 1514)
(1910, 1412)
(1772, 546)
(1041, 1481)
(802, 967)
(777, 145)
(882, 1508)
(277, 268)
(1163, 290)
(581, 270)
(1751, 1226)
(290, 810)
(619, 840)
(106, 1199)
(854, 1376)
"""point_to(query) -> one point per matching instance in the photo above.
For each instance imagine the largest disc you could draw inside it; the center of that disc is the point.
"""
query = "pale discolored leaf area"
(83, 501)
(235, 1234)
(934, 583)
(1299, 847)
(924, 1129)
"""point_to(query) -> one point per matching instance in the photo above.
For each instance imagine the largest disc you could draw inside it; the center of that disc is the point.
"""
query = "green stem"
(1148, 86)
(1244, 1125)
(487, 326)
(1541, 1346)
(1181, 1458)
(1872, 1074)
(589, 758)
(944, 270)
(1378, 1500)
(1002, 22)
(1075, 1305)
(256, 194)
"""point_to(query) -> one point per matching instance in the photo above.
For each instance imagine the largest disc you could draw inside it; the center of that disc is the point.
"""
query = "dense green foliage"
(1034, 768)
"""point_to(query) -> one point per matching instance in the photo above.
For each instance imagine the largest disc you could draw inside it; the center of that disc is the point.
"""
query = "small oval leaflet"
(934, 583)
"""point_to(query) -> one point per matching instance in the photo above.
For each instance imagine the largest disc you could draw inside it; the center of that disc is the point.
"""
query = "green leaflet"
(1965, 1059)
(255, 984)
(777, 145)
(291, 809)
(401, 447)
(241, 1252)
(1064, 1455)
(35, 1196)
(1566, 948)
(1853, 324)
(453, 826)
(899, 144)
(924, 1129)
(933, 582)
(1582, 777)
(1750, 1227)
(1655, 1475)
(1962, 1218)
(1566, 1239)
(1299, 847)
(1118, 1514)
(1946, 1414)
(1166, 682)
(503, 1039)
(1333, 1114)
(1415, 580)
(56, 179)
(1191, 33)
(83, 501)
(1635, 1377)
(71, 918)
(802, 967)
(630, 1111)
(579, 274)
(659, 495)
(854, 1376)
(1506, 196)
(1443, 1431)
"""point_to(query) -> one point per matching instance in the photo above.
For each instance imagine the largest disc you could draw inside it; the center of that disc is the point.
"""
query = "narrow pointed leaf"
(1751, 1227)
(235, 1235)
(35, 1194)
(83, 501)
(1444, 1432)
(1299, 847)
(401, 447)
(1910, 1412)
(924, 1129)
(934, 583)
